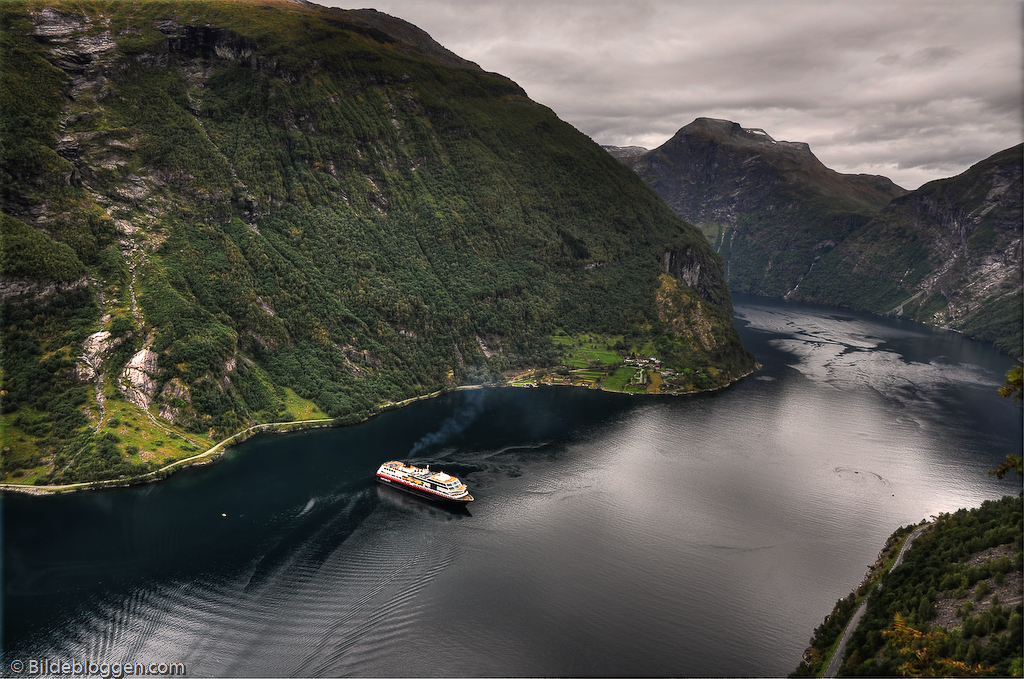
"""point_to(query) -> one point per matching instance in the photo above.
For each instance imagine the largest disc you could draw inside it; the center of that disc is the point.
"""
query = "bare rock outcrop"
(138, 379)
(90, 363)
(699, 270)
(34, 291)
(175, 398)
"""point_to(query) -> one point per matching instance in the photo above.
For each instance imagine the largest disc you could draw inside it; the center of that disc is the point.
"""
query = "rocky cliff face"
(226, 214)
(699, 269)
(626, 154)
(948, 253)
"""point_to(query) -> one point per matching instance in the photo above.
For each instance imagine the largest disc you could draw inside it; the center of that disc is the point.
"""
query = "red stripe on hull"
(419, 490)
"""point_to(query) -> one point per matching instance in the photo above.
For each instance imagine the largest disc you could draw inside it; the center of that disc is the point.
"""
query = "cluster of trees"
(27, 253)
(937, 567)
(94, 458)
(39, 387)
(827, 634)
(897, 635)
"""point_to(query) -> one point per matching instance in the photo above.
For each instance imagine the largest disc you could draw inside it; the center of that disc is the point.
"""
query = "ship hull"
(425, 494)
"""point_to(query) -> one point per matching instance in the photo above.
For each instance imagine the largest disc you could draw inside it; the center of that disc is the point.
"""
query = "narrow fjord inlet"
(609, 534)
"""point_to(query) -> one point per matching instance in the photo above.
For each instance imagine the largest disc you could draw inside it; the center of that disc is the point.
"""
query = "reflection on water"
(610, 534)
(406, 502)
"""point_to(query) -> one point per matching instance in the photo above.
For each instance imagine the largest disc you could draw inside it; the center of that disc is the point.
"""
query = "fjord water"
(611, 535)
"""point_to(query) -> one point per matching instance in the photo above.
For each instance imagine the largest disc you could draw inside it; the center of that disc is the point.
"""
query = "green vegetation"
(589, 349)
(873, 272)
(618, 380)
(300, 408)
(964, 551)
(608, 362)
(953, 606)
(27, 253)
(828, 634)
(582, 359)
(282, 212)
(1012, 388)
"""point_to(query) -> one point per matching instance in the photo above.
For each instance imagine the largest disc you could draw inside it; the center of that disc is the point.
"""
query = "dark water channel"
(611, 535)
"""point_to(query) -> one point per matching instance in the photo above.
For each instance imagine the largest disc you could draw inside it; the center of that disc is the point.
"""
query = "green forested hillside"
(223, 213)
(952, 608)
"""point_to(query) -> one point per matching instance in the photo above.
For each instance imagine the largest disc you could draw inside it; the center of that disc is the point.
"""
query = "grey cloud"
(916, 88)
(930, 56)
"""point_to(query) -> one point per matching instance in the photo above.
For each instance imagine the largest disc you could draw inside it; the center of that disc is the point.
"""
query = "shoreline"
(211, 454)
(217, 450)
(597, 387)
(885, 562)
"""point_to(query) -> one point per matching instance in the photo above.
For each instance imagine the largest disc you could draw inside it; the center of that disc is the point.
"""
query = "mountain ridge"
(706, 144)
(768, 207)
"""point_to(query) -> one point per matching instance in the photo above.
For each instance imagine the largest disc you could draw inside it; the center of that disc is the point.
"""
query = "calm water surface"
(611, 535)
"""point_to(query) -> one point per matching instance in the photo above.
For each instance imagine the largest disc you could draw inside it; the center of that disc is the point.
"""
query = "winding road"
(213, 450)
(837, 657)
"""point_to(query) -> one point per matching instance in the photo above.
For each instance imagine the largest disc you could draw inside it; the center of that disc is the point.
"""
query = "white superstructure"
(423, 481)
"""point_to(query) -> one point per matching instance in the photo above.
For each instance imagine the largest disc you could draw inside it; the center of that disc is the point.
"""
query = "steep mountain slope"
(769, 207)
(223, 213)
(948, 253)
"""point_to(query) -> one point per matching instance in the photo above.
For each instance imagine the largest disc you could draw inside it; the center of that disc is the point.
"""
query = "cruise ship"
(424, 482)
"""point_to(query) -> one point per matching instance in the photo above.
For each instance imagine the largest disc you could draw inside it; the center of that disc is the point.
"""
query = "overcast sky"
(913, 89)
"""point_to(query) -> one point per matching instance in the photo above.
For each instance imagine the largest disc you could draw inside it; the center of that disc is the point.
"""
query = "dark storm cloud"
(912, 89)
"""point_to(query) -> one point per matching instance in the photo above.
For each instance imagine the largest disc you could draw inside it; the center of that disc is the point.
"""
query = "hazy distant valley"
(948, 253)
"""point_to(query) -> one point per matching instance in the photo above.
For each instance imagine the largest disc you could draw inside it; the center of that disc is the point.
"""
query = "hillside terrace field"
(606, 362)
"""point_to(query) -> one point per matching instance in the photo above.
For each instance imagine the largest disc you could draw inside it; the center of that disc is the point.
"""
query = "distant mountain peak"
(713, 170)
(733, 134)
(624, 153)
(773, 202)
(719, 126)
